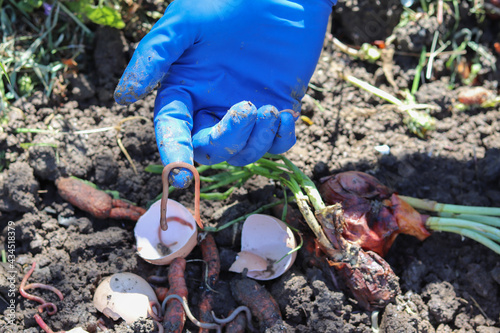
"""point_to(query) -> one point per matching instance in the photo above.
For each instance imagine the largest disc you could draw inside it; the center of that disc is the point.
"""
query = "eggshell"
(183, 238)
(249, 260)
(124, 295)
(77, 330)
(265, 240)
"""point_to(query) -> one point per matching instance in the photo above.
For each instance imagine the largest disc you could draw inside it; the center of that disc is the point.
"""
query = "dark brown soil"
(449, 283)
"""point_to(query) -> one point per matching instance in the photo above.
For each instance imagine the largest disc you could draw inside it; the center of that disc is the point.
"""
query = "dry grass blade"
(119, 141)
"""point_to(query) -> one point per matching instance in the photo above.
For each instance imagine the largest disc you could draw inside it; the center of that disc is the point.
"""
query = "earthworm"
(180, 220)
(152, 314)
(44, 304)
(195, 321)
(233, 315)
(157, 279)
(43, 325)
(295, 114)
(166, 185)
(172, 219)
(101, 324)
(44, 286)
(160, 326)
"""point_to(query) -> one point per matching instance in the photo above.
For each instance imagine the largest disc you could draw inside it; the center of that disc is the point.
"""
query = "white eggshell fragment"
(249, 260)
(264, 241)
(124, 295)
(177, 241)
(77, 330)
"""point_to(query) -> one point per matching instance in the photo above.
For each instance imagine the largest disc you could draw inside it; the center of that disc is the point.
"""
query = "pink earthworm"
(44, 304)
(295, 114)
(166, 172)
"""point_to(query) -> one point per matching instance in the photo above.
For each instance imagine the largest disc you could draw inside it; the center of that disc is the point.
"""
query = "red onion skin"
(374, 214)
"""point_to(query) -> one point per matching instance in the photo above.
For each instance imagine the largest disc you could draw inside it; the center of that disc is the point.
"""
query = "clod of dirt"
(415, 35)
(443, 303)
(18, 189)
(124, 295)
(44, 163)
(81, 87)
(106, 169)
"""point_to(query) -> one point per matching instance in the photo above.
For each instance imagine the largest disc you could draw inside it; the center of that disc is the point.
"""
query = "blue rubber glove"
(224, 69)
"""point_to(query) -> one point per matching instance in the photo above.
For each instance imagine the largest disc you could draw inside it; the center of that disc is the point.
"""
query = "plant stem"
(435, 206)
(435, 223)
(418, 71)
(374, 90)
(475, 236)
(484, 219)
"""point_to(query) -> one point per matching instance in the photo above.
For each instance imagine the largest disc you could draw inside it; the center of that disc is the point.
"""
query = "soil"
(448, 283)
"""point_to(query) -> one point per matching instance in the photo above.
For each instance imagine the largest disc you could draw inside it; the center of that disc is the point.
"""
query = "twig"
(119, 141)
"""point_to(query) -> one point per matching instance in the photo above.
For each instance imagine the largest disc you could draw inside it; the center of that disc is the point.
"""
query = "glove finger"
(261, 138)
(217, 141)
(173, 124)
(285, 138)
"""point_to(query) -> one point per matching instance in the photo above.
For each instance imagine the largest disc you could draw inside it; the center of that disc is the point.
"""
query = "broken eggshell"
(177, 241)
(124, 295)
(264, 241)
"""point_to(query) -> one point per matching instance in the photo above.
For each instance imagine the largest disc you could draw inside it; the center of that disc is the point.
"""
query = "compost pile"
(448, 283)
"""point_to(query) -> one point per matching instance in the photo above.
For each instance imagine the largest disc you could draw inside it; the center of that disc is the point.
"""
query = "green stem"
(217, 195)
(229, 178)
(435, 206)
(304, 181)
(308, 214)
(418, 71)
(489, 220)
(435, 223)
(475, 236)
(35, 130)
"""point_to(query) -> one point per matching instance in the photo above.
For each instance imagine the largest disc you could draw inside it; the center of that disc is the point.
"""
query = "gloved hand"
(207, 56)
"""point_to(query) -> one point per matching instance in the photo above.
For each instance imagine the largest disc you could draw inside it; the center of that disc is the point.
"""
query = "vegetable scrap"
(370, 278)
(260, 302)
(175, 316)
(374, 214)
(210, 255)
(370, 221)
(474, 95)
(96, 202)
